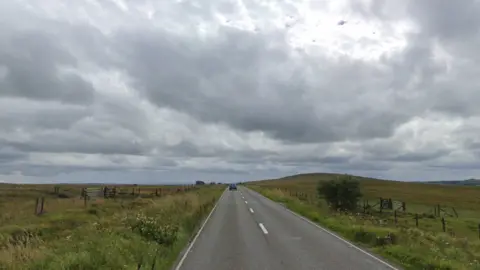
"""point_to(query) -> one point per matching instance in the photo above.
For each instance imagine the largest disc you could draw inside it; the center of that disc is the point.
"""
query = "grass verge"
(137, 233)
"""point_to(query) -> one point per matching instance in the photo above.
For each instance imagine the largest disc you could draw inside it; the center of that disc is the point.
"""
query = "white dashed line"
(251, 210)
(263, 228)
(246, 202)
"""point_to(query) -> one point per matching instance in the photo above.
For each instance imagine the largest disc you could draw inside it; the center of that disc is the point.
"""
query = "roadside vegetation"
(414, 238)
(145, 231)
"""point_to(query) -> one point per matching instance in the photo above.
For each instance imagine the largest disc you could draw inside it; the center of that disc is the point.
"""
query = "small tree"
(342, 194)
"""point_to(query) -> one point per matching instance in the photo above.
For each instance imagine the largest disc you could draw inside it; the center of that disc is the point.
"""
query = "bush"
(153, 230)
(342, 194)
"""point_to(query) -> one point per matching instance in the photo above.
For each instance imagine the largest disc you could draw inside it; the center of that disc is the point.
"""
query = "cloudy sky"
(227, 90)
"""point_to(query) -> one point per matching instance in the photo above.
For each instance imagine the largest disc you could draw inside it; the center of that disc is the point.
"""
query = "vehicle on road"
(232, 187)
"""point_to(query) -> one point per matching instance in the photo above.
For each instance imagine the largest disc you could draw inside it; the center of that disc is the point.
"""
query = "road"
(247, 231)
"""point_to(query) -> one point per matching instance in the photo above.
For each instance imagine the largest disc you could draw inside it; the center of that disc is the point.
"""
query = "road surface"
(247, 231)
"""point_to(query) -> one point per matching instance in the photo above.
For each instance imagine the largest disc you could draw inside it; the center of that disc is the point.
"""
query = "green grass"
(107, 234)
(425, 247)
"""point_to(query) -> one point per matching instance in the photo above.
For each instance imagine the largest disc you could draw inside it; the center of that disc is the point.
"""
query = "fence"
(94, 193)
(387, 209)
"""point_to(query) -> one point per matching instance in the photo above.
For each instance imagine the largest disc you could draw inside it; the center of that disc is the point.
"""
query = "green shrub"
(342, 194)
(152, 229)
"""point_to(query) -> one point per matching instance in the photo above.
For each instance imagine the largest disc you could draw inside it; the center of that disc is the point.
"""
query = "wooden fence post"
(395, 215)
(455, 211)
(443, 224)
(41, 206)
(416, 220)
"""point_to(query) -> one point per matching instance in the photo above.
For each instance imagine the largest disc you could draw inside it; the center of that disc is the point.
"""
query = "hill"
(461, 196)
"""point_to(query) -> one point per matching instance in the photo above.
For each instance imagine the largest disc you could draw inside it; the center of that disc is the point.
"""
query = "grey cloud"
(240, 80)
(25, 117)
(9, 155)
(449, 20)
(31, 60)
(420, 156)
(76, 143)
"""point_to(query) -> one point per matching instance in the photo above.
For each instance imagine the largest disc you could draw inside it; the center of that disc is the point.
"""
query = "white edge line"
(251, 210)
(335, 235)
(263, 228)
(180, 263)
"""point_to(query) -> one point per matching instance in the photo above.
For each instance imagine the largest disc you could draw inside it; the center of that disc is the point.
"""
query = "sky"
(140, 91)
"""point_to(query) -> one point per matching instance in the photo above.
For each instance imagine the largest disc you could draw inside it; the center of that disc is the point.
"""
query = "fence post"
(416, 220)
(41, 207)
(381, 206)
(85, 199)
(404, 206)
(455, 211)
(443, 224)
(479, 231)
(395, 215)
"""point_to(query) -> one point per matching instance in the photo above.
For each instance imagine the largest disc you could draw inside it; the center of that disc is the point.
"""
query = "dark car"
(232, 187)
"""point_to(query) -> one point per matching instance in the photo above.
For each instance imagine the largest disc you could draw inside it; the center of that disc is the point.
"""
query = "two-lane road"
(246, 231)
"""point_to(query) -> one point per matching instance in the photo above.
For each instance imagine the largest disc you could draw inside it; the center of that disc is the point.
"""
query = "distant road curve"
(247, 231)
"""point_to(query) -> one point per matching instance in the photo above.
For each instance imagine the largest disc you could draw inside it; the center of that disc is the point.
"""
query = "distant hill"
(468, 182)
(459, 194)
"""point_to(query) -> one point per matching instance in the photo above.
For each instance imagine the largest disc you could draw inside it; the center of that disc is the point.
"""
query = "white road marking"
(251, 210)
(263, 228)
(246, 202)
(179, 265)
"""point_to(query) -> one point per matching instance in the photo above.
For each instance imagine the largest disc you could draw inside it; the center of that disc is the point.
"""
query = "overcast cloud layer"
(224, 90)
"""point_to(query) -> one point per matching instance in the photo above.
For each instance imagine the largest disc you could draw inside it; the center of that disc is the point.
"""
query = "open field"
(425, 246)
(126, 232)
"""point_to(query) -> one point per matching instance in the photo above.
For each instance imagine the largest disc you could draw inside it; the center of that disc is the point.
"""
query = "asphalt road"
(246, 231)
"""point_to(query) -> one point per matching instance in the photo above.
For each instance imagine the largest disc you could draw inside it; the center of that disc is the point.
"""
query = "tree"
(198, 182)
(341, 194)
